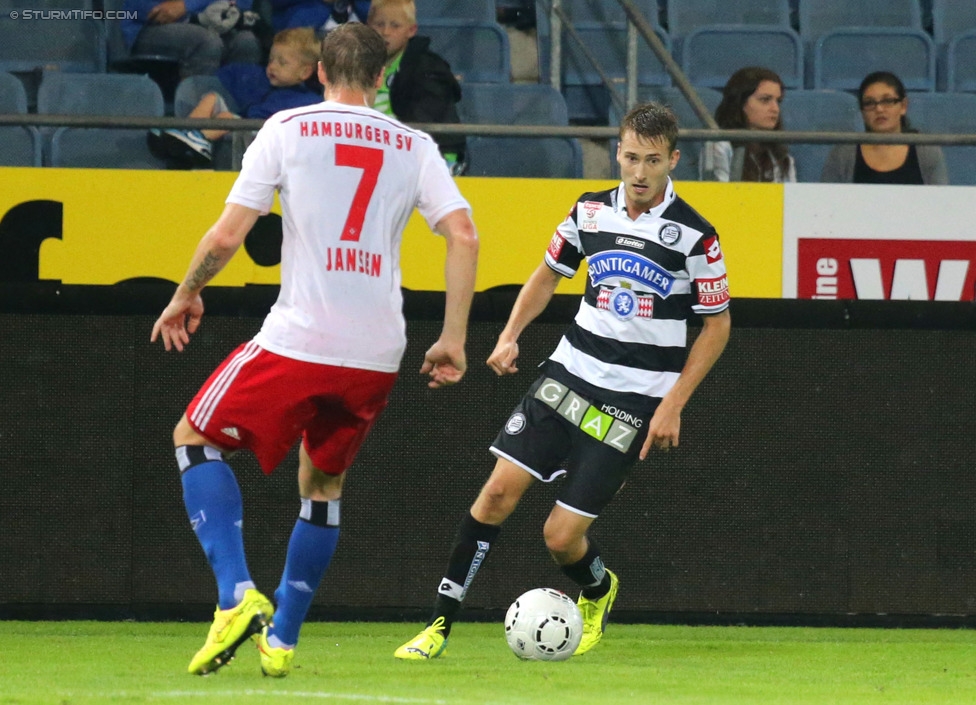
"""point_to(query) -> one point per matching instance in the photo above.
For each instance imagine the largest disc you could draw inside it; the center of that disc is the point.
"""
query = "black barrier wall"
(820, 472)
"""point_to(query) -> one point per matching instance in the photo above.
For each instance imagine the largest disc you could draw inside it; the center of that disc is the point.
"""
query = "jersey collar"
(619, 201)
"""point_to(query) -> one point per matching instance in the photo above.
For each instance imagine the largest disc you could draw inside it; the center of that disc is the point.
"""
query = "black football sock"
(589, 573)
(471, 546)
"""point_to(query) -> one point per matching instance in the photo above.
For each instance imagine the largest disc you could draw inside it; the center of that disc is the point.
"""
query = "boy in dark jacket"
(418, 84)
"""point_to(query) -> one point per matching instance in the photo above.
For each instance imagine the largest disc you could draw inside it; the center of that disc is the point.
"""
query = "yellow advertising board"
(119, 225)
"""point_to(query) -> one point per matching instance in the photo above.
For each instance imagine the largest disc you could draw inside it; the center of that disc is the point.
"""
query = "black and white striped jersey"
(644, 278)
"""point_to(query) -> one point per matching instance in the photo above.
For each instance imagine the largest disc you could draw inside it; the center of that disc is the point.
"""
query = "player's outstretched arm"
(446, 362)
(532, 300)
(665, 425)
(182, 315)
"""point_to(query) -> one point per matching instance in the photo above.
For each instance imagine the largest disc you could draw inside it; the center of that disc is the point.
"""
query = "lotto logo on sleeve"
(713, 253)
(713, 292)
(556, 245)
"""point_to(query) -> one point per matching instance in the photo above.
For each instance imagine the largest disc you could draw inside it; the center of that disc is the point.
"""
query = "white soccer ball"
(544, 625)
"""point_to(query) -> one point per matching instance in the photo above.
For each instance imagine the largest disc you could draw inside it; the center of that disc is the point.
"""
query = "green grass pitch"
(81, 663)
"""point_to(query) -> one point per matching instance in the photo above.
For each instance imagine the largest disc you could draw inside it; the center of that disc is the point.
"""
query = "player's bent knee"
(185, 435)
(559, 543)
(563, 540)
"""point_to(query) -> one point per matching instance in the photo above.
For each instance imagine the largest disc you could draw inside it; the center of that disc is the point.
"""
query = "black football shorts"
(556, 431)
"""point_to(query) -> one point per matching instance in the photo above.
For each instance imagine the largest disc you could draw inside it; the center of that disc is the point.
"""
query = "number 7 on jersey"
(370, 160)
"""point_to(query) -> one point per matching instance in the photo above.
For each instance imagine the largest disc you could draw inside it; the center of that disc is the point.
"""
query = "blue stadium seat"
(951, 18)
(713, 53)
(13, 97)
(687, 169)
(948, 113)
(478, 52)
(467, 10)
(595, 11)
(687, 16)
(525, 157)
(817, 17)
(818, 110)
(512, 104)
(961, 59)
(19, 146)
(100, 94)
(65, 45)
(843, 57)
(584, 12)
(518, 104)
(587, 98)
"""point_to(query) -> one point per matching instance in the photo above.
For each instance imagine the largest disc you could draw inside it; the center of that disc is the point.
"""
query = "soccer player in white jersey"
(617, 382)
(323, 364)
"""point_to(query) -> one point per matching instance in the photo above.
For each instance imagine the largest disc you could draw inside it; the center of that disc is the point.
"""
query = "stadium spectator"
(884, 108)
(750, 101)
(326, 358)
(259, 93)
(418, 84)
(618, 380)
(201, 34)
(320, 15)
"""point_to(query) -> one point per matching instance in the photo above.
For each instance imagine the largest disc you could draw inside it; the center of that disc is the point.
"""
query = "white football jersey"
(348, 179)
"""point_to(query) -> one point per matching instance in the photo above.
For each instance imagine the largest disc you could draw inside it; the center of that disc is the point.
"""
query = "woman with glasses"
(884, 108)
(750, 101)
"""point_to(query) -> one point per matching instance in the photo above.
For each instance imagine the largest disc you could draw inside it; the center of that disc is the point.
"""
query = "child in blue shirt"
(258, 92)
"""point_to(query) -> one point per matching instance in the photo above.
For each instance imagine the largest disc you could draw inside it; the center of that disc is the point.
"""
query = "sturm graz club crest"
(669, 234)
(623, 302)
(515, 424)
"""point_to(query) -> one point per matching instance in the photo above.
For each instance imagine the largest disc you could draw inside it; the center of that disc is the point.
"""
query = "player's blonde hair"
(303, 41)
(406, 6)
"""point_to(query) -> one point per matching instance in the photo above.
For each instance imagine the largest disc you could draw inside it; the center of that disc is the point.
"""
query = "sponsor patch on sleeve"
(556, 245)
(713, 253)
(713, 292)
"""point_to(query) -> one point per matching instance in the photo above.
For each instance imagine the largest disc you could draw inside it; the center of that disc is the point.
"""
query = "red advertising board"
(928, 270)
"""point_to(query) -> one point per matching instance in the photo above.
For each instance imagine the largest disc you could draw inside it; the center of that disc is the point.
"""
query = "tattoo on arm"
(204, 273)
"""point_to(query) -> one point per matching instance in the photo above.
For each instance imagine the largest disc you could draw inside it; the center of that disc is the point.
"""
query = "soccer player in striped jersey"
(325, 360)
(617, 382)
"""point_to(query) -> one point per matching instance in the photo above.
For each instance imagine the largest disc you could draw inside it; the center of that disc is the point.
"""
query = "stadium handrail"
(636, 22)
(575, 131)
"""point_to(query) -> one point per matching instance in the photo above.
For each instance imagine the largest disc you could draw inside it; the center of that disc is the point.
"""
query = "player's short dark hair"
(652, 121)
(353, 55)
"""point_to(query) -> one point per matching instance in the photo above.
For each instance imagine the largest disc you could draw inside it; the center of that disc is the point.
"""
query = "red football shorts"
(263, 401)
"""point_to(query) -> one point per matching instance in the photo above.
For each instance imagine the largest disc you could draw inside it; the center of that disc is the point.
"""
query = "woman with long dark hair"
(884, 108)
(750, 101)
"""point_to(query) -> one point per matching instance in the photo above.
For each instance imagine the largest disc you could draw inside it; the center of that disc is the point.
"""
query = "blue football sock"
(213, 503)
(313, 542)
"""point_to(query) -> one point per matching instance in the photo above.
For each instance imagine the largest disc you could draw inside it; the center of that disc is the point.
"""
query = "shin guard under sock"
(468, 554)
(213, 503)
(312, 545)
